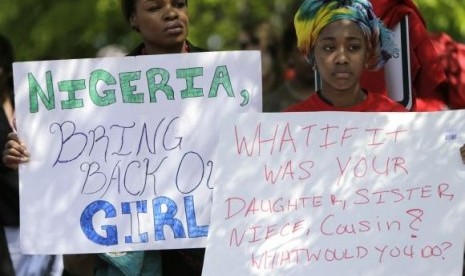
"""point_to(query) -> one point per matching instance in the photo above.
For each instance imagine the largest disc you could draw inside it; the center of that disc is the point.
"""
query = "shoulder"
(193, 48)
(312, 103)
(137, 51)
(382, 103)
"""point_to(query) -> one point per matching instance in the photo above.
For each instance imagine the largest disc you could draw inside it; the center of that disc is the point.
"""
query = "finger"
(13, 136)
(14, 152)
(462, 153)
(11, 161)
(15, 148)
(12, 158)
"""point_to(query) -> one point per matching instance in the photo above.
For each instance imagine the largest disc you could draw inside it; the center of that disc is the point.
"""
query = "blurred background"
(61, 29)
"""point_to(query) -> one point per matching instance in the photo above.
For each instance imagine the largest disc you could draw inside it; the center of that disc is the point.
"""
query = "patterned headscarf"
(314, 15)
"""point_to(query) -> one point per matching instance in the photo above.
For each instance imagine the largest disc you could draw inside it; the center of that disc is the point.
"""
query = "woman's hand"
(15, 151)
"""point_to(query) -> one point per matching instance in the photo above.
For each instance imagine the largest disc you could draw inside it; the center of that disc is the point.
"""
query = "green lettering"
(128, 90)
(108, 95)
(71, 86)
(35, 90)
(155, 86)
(189, 74)
(221, 77)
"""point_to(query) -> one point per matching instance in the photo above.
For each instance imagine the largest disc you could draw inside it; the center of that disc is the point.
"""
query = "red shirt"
(374, 102)
(425, 68)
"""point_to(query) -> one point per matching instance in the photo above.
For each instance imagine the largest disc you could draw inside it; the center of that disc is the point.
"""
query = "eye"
(154, 8)
(328, 47)
(180, 4)
(355, 47)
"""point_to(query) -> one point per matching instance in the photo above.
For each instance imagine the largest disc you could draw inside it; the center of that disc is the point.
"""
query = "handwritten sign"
(328, 193)
(121, 147)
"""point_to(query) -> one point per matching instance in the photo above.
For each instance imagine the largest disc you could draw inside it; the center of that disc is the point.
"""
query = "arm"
(15, 151)
(462, 153)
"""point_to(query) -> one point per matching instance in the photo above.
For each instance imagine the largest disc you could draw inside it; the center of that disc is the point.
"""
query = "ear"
(311, 59)
(314, 64)
(370, 57)
(133, 22)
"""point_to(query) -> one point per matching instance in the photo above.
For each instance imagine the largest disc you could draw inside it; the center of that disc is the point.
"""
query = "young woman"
(163, 26)
(342, 39)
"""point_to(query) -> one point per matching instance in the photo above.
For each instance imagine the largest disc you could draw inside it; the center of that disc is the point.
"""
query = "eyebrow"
(331, 38)
(150, 1)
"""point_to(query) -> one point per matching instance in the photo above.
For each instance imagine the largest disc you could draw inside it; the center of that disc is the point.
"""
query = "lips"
(174, 27)
(342, 74)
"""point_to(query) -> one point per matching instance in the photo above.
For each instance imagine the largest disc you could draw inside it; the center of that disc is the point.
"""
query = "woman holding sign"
(163, 26)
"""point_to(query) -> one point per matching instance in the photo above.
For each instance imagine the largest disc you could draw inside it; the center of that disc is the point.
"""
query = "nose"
(341, 56)
(171, 13)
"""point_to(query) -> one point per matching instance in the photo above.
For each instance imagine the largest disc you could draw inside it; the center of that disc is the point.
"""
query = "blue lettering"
(166, 218)
(193, 230)
(88, 228)
(164, 214)
(141, 207)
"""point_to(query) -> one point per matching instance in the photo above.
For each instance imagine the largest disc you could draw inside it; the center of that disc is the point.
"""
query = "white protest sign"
(330, 193)
(121, 147)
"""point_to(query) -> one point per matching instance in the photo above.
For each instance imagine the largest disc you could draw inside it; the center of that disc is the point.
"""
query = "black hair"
(6, 53)
(6, 58)
(128, 7)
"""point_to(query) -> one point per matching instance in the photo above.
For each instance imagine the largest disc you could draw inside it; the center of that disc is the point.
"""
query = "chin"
(344, 86)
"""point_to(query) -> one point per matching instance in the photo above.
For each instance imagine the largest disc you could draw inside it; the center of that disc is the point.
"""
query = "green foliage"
(59, 29)
(444, 16)
(62, 29)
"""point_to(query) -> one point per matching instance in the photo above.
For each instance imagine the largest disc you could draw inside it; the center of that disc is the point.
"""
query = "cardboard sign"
(332, 193)
(121, 147)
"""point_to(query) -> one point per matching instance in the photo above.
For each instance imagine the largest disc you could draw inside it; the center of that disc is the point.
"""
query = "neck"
(176, 49)
(346, 98)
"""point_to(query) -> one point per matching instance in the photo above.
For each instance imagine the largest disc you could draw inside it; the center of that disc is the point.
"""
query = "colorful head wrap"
(314, 15)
